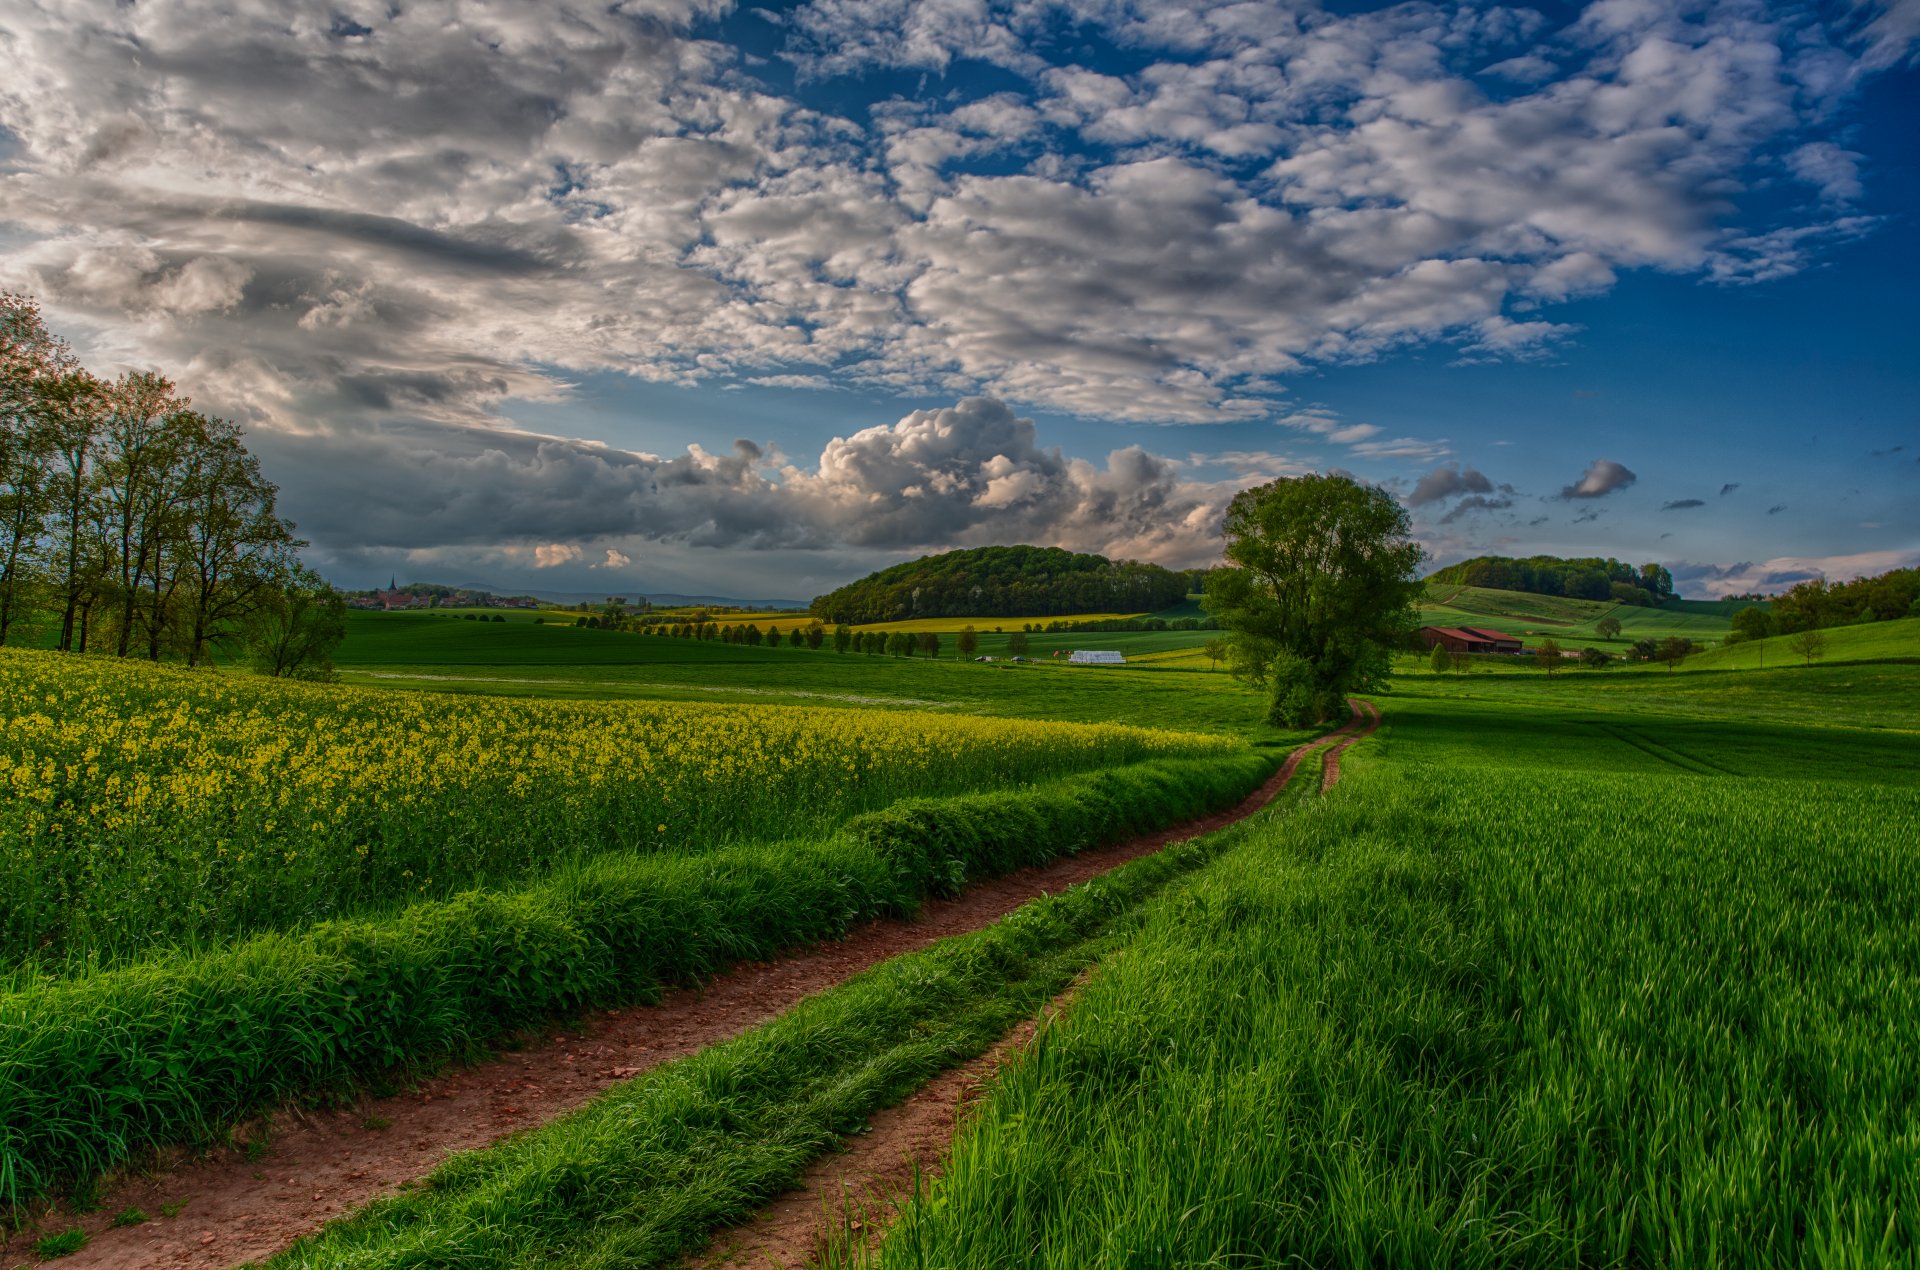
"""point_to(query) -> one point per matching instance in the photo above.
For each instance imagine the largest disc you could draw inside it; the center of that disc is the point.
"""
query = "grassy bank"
(1587, 1007)
(96, 1068)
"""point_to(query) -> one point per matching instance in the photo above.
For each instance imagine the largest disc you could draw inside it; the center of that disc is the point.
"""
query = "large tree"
(1319, 586)
(30, 358)
(296, 627)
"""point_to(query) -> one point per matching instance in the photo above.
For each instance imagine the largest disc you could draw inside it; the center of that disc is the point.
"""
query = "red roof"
(1483, 632)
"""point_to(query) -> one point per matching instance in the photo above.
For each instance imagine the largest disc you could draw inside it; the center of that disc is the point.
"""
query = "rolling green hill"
(1570, 623)
(1874, 641)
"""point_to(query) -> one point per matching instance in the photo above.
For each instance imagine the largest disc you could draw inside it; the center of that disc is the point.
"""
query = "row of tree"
(1006, 582)
(132, 523)
(1582, 578)
(1817, 604)
(815, 635)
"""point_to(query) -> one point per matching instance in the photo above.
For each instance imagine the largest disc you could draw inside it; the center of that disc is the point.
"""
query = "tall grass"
(644, 1174)
(1484, 1018)
(149, 807)
(95, 1068)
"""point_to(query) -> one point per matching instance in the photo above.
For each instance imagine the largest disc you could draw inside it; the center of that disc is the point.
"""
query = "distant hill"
(1004, 582)
(1896, 640)
(1580, 578)
(1569, 622)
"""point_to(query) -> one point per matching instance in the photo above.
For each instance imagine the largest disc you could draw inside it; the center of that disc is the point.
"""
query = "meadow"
(1537, 985)
(518, 658)
(1547, 980)
(1611, 966)
(1570, 623)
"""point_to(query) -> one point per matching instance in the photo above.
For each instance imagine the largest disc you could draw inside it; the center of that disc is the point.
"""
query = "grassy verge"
(642, 1177)
(95, 1069)
(1462, 1015)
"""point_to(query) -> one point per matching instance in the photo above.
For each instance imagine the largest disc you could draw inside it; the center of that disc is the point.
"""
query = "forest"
(1005, 582)
(1582, 578)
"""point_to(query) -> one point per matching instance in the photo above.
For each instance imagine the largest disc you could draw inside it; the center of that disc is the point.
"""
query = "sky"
(750, 298)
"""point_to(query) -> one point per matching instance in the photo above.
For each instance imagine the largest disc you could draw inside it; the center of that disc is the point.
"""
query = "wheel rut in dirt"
(849, 1197)
(236, 1205)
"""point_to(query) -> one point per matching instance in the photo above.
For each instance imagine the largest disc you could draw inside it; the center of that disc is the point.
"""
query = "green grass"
(416, 652)
(64, 1244)
(644, 1174)
(1570, 623)
(1538, 985)
(1874, 641)
(97, 1068)
(1868, 695)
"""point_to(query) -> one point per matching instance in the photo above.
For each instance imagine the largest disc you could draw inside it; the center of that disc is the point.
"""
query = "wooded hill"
(1582, 578)
(1004, 582)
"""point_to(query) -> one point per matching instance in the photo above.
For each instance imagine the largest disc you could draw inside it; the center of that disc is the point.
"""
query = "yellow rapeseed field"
(152, 805)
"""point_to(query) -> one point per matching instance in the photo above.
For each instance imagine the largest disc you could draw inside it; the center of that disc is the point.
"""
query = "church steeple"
(393, 583)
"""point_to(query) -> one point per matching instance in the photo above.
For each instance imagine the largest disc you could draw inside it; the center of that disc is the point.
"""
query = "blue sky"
(694, 296)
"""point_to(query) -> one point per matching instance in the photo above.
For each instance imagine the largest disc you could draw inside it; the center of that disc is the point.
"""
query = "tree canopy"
(1318, 587)
(1005, 582)
(134, 524)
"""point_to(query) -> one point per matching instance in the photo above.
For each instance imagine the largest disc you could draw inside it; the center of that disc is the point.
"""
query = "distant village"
(427, 595)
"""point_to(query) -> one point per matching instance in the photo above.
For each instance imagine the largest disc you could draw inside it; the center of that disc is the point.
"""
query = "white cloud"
(572, 190)
(1602, 477)
(615, 560)
(1781, 572)
(554, 554)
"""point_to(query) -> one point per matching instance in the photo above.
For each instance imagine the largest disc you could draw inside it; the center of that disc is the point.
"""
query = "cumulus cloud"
(1682, 504)
(1602, 477)
(615, 560)
(423, 211)
(969, 474)
(1444, 482)
(1782, 572)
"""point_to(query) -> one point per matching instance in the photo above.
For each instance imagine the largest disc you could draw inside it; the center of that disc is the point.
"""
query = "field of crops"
(219, 891)
(150, 807)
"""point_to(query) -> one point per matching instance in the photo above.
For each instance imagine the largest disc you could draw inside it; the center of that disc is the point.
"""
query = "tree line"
(1005, 582)
(132, 523)
(843, 638)
(1817, 604)
(1581, 578)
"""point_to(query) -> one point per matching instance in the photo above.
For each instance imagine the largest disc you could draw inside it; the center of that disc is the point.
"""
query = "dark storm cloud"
(1446, 481)
(1477, 503)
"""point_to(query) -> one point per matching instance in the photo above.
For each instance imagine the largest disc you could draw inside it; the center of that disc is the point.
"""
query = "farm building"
(1469, 639)
(1087, 657)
